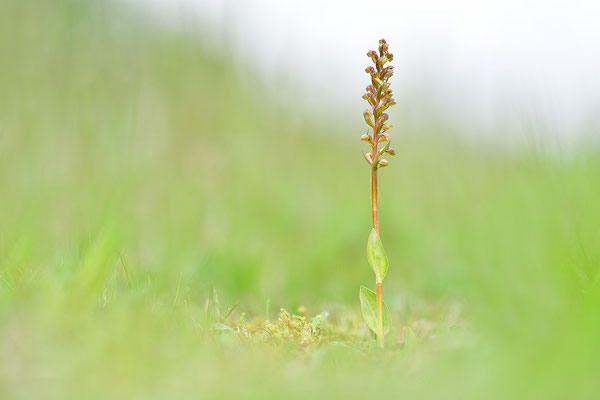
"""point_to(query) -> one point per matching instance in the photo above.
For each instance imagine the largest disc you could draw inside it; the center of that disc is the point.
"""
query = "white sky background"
(477, 61)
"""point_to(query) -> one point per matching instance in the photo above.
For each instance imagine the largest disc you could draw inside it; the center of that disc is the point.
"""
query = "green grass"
(138, 169)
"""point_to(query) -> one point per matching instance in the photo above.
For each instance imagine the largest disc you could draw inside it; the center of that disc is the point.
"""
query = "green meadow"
(148, 184)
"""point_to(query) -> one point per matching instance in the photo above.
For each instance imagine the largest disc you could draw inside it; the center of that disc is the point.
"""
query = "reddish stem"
(375, 209)
(374, 193)
(380, 313)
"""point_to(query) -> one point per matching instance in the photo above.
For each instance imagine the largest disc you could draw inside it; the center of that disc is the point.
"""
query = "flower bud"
(373, 55)
(384, 117)
(372, 99)
(383, 48)
(368, 158)
(365, 138)
(383, 149)
(367, 115)
(369, 97)
(391, 151)
(383, 163)
(386, 127)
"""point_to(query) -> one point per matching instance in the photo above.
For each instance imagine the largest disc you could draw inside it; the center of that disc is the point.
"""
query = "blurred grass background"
(136, 163)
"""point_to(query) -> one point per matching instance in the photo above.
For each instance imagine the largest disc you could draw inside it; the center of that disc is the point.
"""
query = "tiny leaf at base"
(368, 306)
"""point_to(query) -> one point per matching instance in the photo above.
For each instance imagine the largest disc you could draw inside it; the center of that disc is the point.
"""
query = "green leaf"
(368, 306)
(376, 255)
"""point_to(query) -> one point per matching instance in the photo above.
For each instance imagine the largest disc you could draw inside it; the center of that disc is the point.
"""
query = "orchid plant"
(379, 97)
